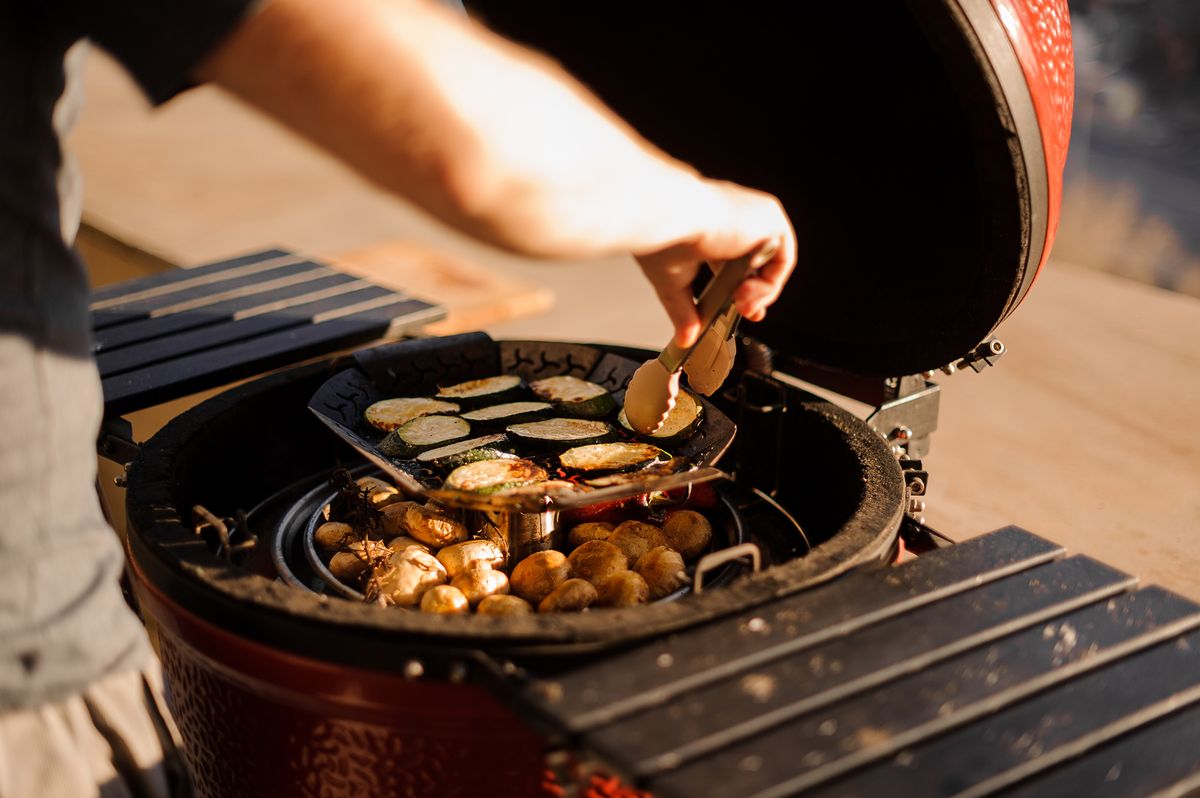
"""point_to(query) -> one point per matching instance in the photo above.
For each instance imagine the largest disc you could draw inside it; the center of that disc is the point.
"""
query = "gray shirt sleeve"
(160, 42)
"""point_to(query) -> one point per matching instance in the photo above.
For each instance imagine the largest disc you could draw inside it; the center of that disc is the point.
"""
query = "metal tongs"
(654, 386)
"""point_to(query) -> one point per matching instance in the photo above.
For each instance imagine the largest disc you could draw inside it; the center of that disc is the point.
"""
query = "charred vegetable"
(487, 391)
(683, 420)
(390, 414)
(610, 457)
(489, 447)
(333, 535)
(501, 416)
(491, 476)
(560, 433)
(421, 434)
(575, 397)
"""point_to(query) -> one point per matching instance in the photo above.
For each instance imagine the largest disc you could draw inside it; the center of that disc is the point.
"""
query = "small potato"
(504, 605)
(625, 589)
(379, 492)
(401, 543)
(538, 574)
(413, 572)
(592, 530)
(461, 557)
(662, 568)
(392, 518)
(688, 532)
(433, 527)
(596, 561)
(635, 538)
(573, 595)
(445, 600)
(479, 583)
(348, 567)
(334, 535)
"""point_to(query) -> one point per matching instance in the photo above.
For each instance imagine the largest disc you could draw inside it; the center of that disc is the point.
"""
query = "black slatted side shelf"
(994, 665)
(171, 334)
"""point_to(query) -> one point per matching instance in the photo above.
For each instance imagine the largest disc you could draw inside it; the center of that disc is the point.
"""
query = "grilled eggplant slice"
(426, 432)
(575, 397)
(560, 433)
(492, 476)
(611, 457)
(500, 416)
(487, 391)
(389, 414)
(682, 421)
(489, 447)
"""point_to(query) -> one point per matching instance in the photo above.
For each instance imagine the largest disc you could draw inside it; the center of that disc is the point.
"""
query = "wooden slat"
(728, 711)
(964, 692)
(1051, 728)
(1161, 759)
(650, 675)
(170, 347)
(181, 376)
(144, 329)
(171, 276)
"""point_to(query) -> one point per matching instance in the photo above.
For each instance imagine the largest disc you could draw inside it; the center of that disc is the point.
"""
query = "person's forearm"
(495, 140)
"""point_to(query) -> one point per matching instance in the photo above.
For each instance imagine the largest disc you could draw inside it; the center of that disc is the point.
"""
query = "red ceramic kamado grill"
(919, 148)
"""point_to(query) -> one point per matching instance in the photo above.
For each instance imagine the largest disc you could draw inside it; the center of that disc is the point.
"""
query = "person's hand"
(732, 222)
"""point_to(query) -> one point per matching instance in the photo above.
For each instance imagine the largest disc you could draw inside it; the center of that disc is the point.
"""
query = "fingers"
(671, 273)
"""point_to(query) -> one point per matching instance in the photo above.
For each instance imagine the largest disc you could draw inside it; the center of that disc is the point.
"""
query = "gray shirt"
(63, 622)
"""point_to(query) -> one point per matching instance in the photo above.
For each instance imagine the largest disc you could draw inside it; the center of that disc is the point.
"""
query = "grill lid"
(902, 140)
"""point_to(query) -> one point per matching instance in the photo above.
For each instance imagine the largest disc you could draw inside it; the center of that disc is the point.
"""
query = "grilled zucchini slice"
(492, 476)
(508, 413)
(682, 421)
(560, 433)
(575, 397)
(610, 457)
(489, 447)
(487, 391)
(389, 414)
(420, 434)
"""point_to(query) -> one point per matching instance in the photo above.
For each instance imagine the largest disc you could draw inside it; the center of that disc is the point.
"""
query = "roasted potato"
(445, 600)
(412, 572)
(461, 557)
(433, 527)
(624, 589)
(596, 561)
(403, 542)
(504, 605)
(334, 535)
(688, 532)
(538, 574)
(479, 583)
(573, 595)
(392, 518)
(635, 538)
(592, 530)
(662, 568)
(348, 567)
(379, 492)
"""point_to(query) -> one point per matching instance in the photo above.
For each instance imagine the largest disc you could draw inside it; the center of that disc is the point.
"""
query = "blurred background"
(1132, 198)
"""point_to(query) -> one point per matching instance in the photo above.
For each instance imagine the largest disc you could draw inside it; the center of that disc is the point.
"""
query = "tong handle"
(716, 299)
